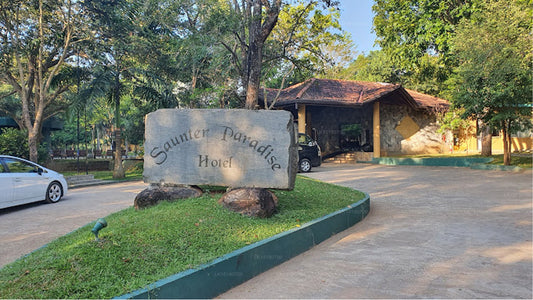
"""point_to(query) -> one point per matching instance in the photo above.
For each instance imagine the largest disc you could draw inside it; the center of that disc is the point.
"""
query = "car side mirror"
(40, 171)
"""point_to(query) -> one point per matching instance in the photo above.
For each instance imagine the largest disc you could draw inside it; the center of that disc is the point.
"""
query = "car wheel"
(305, 165)
(54, 192)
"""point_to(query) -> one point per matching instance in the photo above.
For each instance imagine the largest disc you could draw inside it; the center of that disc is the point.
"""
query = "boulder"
(253, 202)
(157, 193)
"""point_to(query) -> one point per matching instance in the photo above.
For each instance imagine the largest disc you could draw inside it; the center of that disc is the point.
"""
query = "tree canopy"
(408, 29)
(415, 38)
(36, 40)
(493, 80)
(59, 54)
(131, 57)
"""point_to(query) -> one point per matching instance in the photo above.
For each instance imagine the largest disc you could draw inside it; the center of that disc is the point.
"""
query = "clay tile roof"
(427, 101)
(349, 93)
(332, 92)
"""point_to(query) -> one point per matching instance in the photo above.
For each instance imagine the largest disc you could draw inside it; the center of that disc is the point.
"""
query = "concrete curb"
(102, 182)
(228, 271)
(476, 163)
(433, 161)
(95, 183)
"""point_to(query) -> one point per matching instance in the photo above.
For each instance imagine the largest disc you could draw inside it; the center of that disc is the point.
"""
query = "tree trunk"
(252, 92)
(259, 30)
(506, 145)
(33, 144)
(255, 58)
(118, 170)
(35, 129)
(98, 137)
(486, 140)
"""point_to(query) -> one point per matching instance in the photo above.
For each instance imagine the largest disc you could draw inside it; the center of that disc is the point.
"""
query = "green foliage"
(310, 38)
(351, 130)
(14, 142)
(141, 247)
(428, 76)
(133, 173)
(36, 43)
(494, 81)
(408, 29)
(67, 138)
(415, 39)
(374, 67)
(202, 62)
(306, 41)
(452, 120)
(127, 58)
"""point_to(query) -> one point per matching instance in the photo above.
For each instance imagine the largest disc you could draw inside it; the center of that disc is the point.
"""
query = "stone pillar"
(376, 131)
(301, 118)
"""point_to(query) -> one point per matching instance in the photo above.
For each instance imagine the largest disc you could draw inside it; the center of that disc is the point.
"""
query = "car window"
(17, 166)
(2, 169)
(304, 139)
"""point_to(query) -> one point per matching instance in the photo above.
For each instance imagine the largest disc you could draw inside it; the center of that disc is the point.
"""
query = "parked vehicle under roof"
(309, 153)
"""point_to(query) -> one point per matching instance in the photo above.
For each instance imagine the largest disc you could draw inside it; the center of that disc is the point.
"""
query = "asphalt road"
(26, 228)
(432, 232)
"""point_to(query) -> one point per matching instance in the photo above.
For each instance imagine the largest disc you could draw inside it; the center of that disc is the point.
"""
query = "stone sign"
(236, 148)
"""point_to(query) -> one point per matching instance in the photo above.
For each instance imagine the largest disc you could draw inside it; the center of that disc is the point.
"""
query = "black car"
(308, 152)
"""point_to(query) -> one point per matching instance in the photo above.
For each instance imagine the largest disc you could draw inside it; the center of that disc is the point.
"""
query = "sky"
(356, 18)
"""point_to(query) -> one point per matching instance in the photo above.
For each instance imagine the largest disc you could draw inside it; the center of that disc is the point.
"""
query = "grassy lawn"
(522, 161)
(134, 173)
(141, 247)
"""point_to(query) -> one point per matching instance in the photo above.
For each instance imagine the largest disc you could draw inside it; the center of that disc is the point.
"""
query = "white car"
(22, 181)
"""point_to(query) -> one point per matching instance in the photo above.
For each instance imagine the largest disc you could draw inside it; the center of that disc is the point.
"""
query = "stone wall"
(408, 131)
(404, 130)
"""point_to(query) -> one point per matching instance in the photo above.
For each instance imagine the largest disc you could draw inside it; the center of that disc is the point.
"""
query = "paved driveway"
(26, 228)
(432, 232)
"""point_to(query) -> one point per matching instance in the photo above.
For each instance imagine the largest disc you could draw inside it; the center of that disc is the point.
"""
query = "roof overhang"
(345, 93)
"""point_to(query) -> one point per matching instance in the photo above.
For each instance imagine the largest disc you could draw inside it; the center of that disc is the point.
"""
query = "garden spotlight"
(100, 223)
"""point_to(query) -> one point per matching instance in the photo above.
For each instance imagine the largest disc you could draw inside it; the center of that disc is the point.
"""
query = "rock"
(253, 202)
(219, 147)
(156, 193)
(426, 141)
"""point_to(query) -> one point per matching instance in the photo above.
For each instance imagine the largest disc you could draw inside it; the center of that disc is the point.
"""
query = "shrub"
(14, 142)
